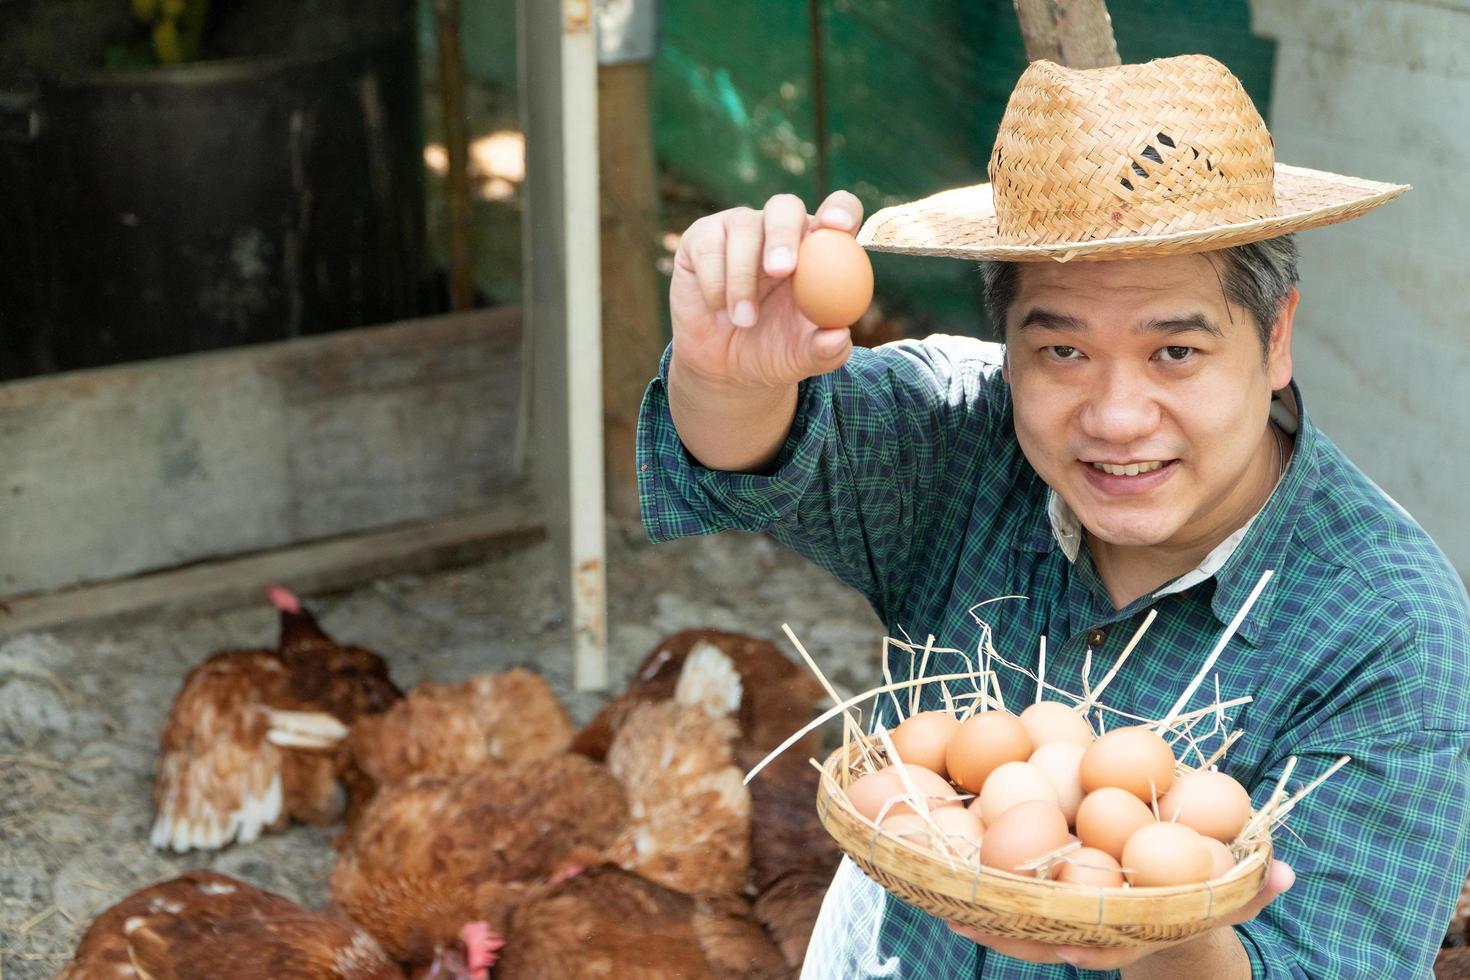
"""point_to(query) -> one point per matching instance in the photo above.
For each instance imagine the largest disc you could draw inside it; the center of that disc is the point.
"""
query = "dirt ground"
(80, 709)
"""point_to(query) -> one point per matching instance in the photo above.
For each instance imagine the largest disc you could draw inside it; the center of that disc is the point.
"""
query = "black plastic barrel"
(153, 212)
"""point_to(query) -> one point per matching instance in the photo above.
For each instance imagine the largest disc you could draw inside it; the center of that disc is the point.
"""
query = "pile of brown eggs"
(1040, 781)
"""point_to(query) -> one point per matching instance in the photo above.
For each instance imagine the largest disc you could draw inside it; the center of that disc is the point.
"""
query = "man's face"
(1141, 397)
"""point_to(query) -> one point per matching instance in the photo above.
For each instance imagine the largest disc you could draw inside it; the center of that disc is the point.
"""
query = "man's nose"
(1121, 410)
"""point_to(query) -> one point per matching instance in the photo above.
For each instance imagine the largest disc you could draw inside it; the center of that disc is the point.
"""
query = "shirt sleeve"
(851, 486)
(1379, 850)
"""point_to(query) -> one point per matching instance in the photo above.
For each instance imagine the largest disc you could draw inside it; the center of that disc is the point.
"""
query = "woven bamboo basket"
(1029, 908)
(957, 888)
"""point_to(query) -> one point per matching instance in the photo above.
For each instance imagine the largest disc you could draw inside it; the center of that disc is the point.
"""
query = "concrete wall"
(1379, 89)
(128, 469)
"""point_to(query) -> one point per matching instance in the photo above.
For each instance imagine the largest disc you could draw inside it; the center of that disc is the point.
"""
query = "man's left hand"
(1278, 880)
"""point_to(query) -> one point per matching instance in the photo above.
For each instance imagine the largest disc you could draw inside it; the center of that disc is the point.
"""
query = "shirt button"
(1096, 637)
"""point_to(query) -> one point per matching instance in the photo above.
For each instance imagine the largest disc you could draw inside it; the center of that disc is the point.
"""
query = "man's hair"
(1256, 276)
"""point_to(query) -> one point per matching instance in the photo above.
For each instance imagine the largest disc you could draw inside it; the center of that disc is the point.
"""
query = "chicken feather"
(607, 922)
(502, 719)
(204, 924)
(434, 852)
(689, 826)
(253, 736)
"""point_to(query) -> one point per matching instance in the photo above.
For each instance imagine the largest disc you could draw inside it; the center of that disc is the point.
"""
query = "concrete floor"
(80, 709)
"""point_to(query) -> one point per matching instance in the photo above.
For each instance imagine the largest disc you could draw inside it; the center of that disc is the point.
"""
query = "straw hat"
(1125, 162)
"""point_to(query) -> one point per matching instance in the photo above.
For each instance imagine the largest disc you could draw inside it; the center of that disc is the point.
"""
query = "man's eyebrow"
(1051, 320)
(1195, 322)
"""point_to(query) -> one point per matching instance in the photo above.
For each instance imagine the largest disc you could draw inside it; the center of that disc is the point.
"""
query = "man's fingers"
(840, 210)
(1278, 880)
(830, 349)
(744, 232)
(702, 252)
(786, 222)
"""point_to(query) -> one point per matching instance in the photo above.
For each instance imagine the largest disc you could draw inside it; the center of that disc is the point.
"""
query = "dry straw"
(947, 881)
(1127, 161)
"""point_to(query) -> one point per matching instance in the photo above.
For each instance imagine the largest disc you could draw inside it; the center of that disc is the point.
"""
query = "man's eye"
(1175, 354)
(1063, 353)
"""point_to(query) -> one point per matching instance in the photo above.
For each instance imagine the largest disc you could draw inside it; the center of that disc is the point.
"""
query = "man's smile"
(1126, 479)
(1129, 469)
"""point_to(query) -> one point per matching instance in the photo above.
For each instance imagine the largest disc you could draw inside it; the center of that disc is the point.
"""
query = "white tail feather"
(709, 679)
(304, 729)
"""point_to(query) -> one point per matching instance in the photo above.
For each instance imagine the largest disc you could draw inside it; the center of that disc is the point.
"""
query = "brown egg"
(958, 825)
(1023, 833)
(962, 827)
(871, 793)
(1061, 762)
(1162, 854)
(908, 826)
(1052, 721)
(1221, 860)
(1107, 817)
(1089, 866)
(1010, 784)
(923, 738)
(1210, 802)
(833, 282)
(1136, 759)
(983, 744)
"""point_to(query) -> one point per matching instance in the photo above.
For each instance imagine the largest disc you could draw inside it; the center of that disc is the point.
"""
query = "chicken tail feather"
(304, 729)
(709, 680)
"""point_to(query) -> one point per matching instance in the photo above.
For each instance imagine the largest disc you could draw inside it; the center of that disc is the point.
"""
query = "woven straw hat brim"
(961, 223)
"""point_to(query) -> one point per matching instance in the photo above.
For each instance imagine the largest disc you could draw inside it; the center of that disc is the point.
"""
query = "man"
(1138, 445)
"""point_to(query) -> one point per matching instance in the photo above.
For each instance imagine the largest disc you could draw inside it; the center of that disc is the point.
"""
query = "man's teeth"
(1131, 469)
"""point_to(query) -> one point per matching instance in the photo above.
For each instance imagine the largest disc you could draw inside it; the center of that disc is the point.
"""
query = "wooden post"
(632, 318)
(1075, 33)
(457, 149)
(559, 234)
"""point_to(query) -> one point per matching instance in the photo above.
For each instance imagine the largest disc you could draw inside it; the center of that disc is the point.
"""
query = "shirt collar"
(1234, 568)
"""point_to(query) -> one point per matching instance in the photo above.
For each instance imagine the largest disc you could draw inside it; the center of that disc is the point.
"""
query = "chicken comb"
(482, 945)
(283, 598)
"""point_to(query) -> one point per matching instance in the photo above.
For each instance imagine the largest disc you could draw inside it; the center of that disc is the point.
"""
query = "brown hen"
(434, 852)
(499, 721)
(253, 736)
(689, 825)
(431, 853)
(607, 922)
(778, 697)
(203, 924)
(792, 858)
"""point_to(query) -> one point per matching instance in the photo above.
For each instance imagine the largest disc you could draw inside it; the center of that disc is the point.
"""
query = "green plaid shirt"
(902, 476)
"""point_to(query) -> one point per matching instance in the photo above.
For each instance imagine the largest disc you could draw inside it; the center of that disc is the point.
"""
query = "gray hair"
(1257, 276)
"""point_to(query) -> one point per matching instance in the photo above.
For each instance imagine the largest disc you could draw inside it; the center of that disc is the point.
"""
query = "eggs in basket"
(1038, 794)
(1034, 824)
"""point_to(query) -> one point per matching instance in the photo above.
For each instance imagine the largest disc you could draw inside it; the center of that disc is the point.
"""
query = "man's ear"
(1005, 363)
(1278, 355)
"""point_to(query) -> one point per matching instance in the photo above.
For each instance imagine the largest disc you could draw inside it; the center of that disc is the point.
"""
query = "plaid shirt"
(902, 476)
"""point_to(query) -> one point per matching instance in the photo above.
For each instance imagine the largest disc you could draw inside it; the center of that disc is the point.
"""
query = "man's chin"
(1135, 531)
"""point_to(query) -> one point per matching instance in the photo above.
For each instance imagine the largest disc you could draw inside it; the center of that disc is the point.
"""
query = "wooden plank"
(140, 467)
(1075, 33)
(632, 318)
(558, 90)
(511, 520)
